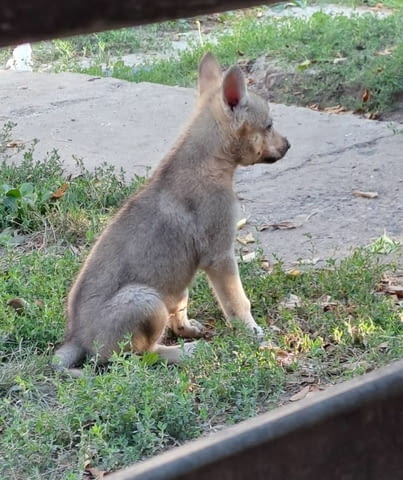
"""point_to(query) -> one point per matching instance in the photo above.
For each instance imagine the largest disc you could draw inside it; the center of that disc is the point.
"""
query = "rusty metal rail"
(30, 20)
(353, 431)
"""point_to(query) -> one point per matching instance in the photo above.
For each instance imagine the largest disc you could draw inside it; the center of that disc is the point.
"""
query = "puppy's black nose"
(287, 143)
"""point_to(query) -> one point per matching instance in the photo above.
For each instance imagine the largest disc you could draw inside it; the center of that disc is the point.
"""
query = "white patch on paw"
(188, 348)
(198, 327)
(258, 331)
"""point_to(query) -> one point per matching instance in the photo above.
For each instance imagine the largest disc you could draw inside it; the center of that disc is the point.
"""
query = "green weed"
(36, 197)
(65, 54)
(342, 57)
(339, 324)
(138, 407)
(41, 322)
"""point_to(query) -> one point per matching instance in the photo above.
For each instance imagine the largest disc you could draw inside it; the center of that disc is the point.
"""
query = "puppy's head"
(244, 116)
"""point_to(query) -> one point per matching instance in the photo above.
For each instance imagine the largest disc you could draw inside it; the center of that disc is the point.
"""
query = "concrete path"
(134, 125)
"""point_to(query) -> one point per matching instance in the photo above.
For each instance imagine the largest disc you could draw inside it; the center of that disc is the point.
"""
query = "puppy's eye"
(269, 126)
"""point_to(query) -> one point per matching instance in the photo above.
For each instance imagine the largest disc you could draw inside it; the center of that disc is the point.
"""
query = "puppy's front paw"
(258, 332)
(197, 328)
(188, 349)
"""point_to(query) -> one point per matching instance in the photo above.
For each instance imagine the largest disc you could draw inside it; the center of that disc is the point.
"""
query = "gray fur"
(134, 282)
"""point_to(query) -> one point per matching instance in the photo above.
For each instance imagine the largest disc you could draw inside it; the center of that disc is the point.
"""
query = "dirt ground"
(272, 80)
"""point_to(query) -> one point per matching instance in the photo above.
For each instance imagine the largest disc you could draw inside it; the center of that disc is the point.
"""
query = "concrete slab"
(134, 125)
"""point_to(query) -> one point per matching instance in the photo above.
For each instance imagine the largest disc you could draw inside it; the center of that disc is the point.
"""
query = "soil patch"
(285, 85)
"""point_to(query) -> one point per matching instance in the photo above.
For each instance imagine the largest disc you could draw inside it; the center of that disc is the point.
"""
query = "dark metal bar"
(352, 431)
(31, 20)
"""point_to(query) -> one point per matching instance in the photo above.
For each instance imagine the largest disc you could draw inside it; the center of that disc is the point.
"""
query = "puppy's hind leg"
(175, 353)
(137, 311)
(68, 355)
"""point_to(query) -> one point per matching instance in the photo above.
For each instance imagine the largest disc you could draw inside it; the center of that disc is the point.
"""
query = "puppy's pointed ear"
(209, 73)
(234, 87)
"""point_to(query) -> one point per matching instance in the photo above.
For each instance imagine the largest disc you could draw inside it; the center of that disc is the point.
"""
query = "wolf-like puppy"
(134, 282)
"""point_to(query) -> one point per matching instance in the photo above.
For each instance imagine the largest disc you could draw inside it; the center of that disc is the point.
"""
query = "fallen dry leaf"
(359, 193)
(284, 358)
(293, 272)
(241, 224)
(19, 305)
(378, 6)
(326, 302)
(339, 60)
(300, 395)
(59, 192)
(249, 238)
(248, 257)
(15, 144)
(391, 281)
(297, 222)
(93, 473)
(386, 51)
(278, 226)
(393, 286)
(372, 115)
(284, 226)
(335, 109)
(291, 301)
(314, 106)
(395, 290)
(366, 95)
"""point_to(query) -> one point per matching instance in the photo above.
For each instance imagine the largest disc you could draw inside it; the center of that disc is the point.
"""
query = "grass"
(37, 198)
(52, 427)
(325, 60)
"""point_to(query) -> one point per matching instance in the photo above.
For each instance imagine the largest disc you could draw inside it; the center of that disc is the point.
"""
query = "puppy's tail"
(68, 355)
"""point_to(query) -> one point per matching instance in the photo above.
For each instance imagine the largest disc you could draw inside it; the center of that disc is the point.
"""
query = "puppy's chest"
(216, 225)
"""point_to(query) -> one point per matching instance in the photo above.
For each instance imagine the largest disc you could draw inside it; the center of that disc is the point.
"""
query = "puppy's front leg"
(224, 278)
(179, 321)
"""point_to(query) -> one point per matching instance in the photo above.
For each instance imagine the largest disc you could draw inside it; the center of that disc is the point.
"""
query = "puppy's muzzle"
(280, 153)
